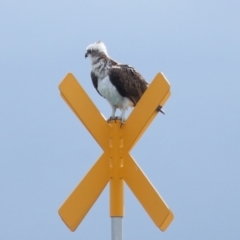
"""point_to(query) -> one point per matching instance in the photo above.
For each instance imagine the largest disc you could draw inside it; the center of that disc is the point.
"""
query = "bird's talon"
(110, 119)
(122, 122)
(115, 119)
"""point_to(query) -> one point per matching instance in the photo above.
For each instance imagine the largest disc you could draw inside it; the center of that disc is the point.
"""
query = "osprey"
(121, 85)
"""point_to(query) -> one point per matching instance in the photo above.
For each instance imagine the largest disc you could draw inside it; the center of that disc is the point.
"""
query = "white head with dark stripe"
(96, 50)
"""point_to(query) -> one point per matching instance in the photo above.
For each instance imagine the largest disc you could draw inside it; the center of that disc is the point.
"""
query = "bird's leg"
(114, 108)
(122, 116)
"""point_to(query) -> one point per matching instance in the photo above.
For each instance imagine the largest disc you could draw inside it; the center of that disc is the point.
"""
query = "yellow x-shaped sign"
(115, 164)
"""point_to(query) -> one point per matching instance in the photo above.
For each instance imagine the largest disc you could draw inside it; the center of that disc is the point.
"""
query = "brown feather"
(128, 82)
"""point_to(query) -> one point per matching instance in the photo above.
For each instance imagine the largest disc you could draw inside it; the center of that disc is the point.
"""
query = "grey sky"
(191, 155)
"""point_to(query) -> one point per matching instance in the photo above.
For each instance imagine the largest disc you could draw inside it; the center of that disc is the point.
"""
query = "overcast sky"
(191, 155)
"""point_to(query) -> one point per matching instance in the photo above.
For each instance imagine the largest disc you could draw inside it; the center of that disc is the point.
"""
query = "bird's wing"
(128, 81)
(95, 81)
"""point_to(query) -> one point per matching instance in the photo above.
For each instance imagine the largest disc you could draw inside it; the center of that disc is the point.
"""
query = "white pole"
(116, 223)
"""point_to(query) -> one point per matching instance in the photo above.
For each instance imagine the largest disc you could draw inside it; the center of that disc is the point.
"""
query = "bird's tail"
(159, 109)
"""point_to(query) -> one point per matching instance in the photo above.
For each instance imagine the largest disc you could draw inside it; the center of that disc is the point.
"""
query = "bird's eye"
(89, 51)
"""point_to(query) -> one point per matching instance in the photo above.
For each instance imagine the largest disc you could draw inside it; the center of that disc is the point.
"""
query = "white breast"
(109, 91)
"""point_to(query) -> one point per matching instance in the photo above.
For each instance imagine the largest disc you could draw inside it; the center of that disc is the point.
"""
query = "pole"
(116, 226)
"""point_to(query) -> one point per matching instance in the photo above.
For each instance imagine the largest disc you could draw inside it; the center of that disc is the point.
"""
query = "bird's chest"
(109, 91)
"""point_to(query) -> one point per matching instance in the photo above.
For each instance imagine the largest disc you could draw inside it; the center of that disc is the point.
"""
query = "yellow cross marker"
(115, 164)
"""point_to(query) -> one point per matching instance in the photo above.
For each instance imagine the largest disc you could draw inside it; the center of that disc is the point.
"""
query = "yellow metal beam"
(85, 194)
(167, 221)
(115, 152)
(146, 193)
(145, 111)
(116, 197)
(154, 114)
(86, 111)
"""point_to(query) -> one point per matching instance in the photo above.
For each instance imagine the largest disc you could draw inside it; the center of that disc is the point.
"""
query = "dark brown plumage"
(128, 82)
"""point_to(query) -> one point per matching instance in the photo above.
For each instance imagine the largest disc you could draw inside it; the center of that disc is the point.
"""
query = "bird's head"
(95, 50)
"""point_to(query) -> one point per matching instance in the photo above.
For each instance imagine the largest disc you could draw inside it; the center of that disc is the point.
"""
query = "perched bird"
(120, 84)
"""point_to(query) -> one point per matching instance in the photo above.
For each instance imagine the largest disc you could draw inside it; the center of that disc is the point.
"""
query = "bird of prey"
(120, 84)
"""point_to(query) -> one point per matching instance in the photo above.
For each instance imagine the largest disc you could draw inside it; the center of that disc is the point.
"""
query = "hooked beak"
(86, 55)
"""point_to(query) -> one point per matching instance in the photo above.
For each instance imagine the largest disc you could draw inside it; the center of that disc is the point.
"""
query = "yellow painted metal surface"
(116, 197)
(144, 112)
(115, 153)
(83, 107)
(167, 221)
(85, 194)
(116, 164)
(145, 192)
